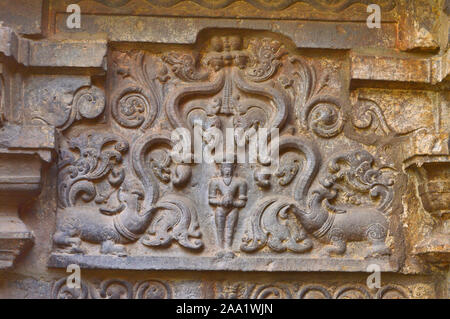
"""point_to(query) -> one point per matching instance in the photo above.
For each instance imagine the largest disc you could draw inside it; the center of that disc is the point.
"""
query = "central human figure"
(228, 194)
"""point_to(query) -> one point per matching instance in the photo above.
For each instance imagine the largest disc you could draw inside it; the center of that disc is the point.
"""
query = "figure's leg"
(376, 234)
(109, 247)
(230, 225)
(220, 217)
(67, 237)
(69, 244)
(338, 243)
(109, 239)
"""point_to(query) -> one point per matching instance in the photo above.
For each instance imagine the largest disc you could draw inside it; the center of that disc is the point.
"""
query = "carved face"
(227, 172)
(235, 42)
(216, 44)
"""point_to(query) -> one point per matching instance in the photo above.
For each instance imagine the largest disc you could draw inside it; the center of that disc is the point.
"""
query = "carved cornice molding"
(326, 5)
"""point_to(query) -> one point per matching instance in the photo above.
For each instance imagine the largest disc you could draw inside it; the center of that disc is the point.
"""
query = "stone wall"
(90, 177)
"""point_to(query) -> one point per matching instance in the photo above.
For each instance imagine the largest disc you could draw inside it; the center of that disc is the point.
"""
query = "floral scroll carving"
(113, 289)
(320, 113)
(86, 103)
(179, 226)
(137, 103)
(250, 290)
(92, 163)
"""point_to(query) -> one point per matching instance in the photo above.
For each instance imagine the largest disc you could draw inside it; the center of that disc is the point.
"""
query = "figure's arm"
(212, 194)
(242, 197)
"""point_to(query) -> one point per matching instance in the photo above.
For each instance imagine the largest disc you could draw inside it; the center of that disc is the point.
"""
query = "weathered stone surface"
(24, 16)
(44, 53)
(90, 170)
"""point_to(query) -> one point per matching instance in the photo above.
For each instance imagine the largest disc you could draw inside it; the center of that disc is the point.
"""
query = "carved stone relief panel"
(126, 202)
(354, 169)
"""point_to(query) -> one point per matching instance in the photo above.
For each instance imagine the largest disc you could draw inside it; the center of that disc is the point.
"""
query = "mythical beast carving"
(86, 224)
(339, 224)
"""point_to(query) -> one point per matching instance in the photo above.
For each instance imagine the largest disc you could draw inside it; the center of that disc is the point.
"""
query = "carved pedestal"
(23, 151)
(433, 189)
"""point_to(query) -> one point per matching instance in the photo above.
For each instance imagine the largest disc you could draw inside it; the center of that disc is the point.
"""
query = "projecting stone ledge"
(52, 53)
(218, 264)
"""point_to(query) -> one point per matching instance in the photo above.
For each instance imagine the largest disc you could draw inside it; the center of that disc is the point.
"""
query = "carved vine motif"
(185, 66)
(137, 102)
(237, 72)
(177, 223)
(157, 289)
(87, 103)
(230, 85)
(245, 290)
(369, 115)
(62, 291)
(273, 220)
(177, 217)
(361, 176)
(329, 5)
(273, 224)
(113, 289)
(320, 113)
(156, 166)
(265, 59)
(91, 161)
